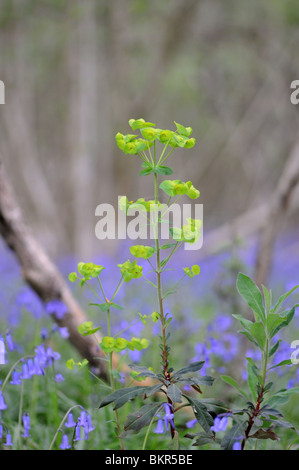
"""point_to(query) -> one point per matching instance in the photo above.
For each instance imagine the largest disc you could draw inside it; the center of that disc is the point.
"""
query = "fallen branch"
(279, 206)
(42, 275)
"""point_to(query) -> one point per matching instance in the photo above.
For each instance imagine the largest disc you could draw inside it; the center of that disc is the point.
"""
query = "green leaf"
(201, 414)
(120, 397)
(146, 172)
(144, 371)
(202, 439)
(282, 396)
(141, 418)
(116, 306)
(236, 433)
(163, 170)
(287, 318)
(102, 307)
(267, 298)
(284, 297)
(274, 348)
(264, 434)
(168, 245)
(251, 293)
(244, 322)
(193, 367)
(213, 405)
(86, 328)
(286, 362)
(174, 393)
(258, 332)
(203, 380)
(233, 383)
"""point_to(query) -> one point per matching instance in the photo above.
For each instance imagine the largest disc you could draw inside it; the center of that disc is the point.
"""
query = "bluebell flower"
(64, 443)
(237, 446)
(64, 332)
(1, 431)
(15, 378)
(59, 378)
(160, 427)
(82, 418)
(56, 307)
(3, 405)
(70, 423)
(37, 367)
(190, 424)
(220, 424)
(26, 424)
(77, 433)
(31, 367)
(8, 440)
(25, 372)
(168, 416)
(9, 342)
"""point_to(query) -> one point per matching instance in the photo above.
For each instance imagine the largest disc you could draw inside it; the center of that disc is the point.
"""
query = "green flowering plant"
(220, 425)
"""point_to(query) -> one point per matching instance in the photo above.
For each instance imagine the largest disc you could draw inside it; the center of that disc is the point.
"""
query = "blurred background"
(75, 72)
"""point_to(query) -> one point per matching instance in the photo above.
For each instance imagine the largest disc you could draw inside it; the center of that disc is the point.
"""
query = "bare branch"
(41, 274)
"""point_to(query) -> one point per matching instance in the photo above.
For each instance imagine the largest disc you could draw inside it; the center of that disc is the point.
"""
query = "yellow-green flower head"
(108, 343)
(139, 344)
(192, 192)
(149, 133)
(89, 270)
(194, 271)
(130, 270)
(120, 344)
(164, 136)
(140, 124)
(130, 148)
(190, 231)
(177, 187)
(141, 251)
(190, 143)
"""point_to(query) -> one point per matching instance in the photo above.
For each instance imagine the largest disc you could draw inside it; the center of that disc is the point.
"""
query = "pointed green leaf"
(233, 383)
(251, 293)
(258, 332)
(174, 393)
(201, 414)
(141, 418)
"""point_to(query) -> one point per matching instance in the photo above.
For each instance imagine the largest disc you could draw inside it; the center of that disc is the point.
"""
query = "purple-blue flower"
(70, 423)
(3, 405)
(59, 378)
(15, 378)
(26, 424)
(160, 427)
(220, 424)
(57, 308)
(64, 443)
(8, 440)
(237, 446)
(190, 424)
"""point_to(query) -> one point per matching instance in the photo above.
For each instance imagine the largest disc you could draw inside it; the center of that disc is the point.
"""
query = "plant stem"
(261, 394)
(112, 382)
(160, 301)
